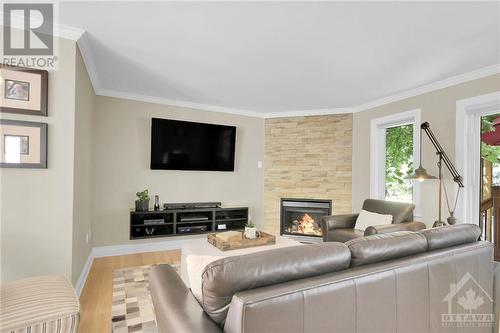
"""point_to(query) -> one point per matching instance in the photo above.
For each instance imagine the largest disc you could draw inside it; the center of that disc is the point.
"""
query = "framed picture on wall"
(23, 90)
(23, 144)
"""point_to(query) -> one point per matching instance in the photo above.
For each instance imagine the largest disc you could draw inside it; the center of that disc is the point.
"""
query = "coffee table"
(198, 253)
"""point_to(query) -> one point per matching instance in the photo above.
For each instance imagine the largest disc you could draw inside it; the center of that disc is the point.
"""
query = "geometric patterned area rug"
(132, 309)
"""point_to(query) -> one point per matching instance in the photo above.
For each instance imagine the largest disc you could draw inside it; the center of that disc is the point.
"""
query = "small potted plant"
(142, 202)
(250, 231)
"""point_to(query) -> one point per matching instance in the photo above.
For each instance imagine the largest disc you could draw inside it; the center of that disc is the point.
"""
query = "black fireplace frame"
(306, 201)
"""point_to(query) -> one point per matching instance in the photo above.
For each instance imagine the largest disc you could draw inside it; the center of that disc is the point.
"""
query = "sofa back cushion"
(453, 235)
(223, 278)
(394, 296)
(401, 212)
(382, 247)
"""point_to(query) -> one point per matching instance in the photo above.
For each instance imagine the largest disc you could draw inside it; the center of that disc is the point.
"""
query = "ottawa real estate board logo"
(28, 35)
(469, 305)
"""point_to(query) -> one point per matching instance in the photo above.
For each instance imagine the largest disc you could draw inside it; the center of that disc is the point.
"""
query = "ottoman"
(39, 304)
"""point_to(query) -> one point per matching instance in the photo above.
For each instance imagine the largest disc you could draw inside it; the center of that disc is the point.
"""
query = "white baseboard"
(85, 273)
(117, 250)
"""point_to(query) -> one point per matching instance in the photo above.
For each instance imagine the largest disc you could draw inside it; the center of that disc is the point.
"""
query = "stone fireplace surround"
(307, 157)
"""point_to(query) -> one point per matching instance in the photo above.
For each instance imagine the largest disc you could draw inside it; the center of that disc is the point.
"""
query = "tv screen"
(183, 145)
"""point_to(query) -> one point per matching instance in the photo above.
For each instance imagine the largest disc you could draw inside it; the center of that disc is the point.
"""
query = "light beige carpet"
(132, 309)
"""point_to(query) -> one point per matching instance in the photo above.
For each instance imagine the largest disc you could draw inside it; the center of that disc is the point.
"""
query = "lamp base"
(452, 220)
(438, 224)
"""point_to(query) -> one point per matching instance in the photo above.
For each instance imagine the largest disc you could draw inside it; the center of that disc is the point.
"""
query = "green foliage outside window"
(399, 163)
(489, 152)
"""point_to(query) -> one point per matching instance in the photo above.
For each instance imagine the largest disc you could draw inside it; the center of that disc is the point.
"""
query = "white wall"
(439, 109)
(121, 166)
(37, 204)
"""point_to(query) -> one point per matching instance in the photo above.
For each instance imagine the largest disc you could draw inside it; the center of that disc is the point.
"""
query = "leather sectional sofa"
(397, 282)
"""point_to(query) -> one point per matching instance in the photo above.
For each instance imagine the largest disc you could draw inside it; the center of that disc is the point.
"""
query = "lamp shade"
(420, 175)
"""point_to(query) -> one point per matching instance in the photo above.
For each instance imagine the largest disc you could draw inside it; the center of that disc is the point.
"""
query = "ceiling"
(280, 57)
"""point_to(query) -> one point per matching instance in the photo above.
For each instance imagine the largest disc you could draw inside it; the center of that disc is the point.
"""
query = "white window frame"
(468, 151)
(378, 153)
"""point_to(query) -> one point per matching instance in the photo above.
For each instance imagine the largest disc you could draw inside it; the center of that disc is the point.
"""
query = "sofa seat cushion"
(382, 247)
(453, 235)
(39, 304)
(225, 277)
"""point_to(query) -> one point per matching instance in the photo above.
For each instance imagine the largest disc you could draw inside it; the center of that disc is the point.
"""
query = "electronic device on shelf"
(191, 229)
(192, 218)
(154, 221)
(192, 205)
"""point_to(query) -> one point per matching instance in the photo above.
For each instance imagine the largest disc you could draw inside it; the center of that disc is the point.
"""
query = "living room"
(306, 114)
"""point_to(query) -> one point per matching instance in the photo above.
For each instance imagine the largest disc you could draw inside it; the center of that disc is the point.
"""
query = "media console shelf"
(176, 222)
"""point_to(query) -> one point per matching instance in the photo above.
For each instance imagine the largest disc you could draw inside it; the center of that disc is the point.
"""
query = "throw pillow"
(366, 219)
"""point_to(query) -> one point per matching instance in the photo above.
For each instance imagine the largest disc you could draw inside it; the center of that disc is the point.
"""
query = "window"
(399, 163)
(490, 175)
(394, 151)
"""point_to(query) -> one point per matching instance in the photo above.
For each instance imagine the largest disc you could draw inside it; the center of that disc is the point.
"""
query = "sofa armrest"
(496, 293)
(175, 306)
(346, 221)
(388, 228)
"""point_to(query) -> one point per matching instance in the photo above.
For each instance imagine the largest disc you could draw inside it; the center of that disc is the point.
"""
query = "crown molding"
(437, 85)
(171, 102)
(448, 82)
(81, 37)
(88, 58)
(65, 31)
(59, 30)
(304, 113)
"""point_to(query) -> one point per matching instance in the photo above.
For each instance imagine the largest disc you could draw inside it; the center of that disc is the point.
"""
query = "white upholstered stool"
(40, 304)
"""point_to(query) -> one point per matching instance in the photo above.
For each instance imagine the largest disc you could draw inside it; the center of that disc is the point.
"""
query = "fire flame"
(306, 225)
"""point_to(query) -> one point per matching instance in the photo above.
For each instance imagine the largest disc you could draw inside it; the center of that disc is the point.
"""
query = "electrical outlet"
(88, 236)
(259, 164)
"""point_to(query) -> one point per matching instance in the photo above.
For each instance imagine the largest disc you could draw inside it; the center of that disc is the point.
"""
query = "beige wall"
(307, 157)
(121, 166)
(438, 108)
(37, 204)
(82, 199)
(98, 157)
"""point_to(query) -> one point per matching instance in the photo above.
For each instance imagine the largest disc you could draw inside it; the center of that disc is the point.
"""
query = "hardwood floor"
(96, 296)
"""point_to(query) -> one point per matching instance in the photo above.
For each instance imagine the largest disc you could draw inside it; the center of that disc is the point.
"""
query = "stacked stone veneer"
(307, 157)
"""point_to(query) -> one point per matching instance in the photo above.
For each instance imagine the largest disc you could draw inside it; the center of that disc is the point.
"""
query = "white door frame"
(467, 150)
(377, 152)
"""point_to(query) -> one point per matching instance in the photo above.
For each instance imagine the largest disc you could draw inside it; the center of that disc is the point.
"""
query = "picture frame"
(23, 144)
(23, 90)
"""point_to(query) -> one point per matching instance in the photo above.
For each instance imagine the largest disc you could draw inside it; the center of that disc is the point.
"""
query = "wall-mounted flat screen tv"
(183, 145)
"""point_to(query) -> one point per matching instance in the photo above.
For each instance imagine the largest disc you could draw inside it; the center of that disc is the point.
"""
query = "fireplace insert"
(302, 217)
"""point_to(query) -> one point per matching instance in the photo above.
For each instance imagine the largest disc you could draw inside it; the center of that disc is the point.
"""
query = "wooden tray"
(264, 239)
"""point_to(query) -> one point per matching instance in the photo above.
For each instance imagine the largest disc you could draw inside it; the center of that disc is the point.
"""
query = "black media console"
(184, 221)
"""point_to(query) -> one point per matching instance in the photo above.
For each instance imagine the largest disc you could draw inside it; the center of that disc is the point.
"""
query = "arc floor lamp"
(421, 174)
